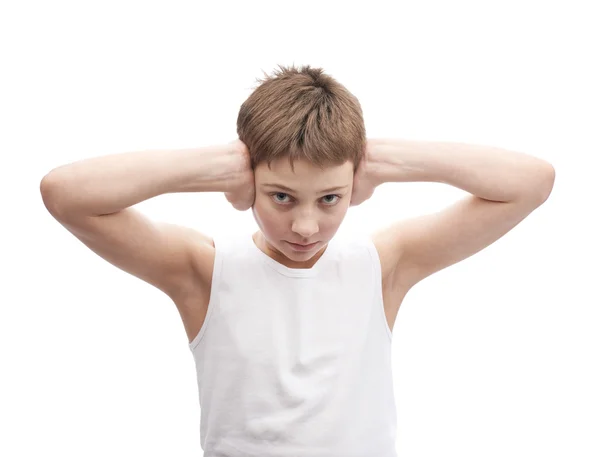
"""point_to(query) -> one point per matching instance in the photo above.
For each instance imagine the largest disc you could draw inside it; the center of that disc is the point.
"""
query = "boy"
(291, 328)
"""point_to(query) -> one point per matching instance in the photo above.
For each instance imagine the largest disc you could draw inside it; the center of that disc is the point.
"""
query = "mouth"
(303, 246)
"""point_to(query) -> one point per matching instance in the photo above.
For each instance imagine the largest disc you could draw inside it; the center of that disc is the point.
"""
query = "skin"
(306, 215)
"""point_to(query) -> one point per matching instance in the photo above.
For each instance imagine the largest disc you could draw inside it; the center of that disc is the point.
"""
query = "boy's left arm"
(505, 187)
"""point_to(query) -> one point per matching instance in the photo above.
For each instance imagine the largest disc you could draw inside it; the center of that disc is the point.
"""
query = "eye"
(326, 197)
(279, 194)
(335, 196)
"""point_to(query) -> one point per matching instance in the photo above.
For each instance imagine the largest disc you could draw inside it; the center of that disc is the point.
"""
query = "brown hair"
(302, 114)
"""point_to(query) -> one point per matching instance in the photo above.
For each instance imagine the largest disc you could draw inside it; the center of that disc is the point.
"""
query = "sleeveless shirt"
(295, 362)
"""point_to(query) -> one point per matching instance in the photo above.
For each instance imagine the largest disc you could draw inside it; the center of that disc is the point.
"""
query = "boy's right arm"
(93, 198)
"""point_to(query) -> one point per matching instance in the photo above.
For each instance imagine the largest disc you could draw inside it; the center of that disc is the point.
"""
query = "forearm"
(107, 184)
(485, 171)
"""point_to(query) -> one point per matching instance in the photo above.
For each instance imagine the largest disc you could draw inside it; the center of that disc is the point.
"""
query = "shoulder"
(388, 242)
(193, 299)
(387, 259)
(202, 249)
(204, 258)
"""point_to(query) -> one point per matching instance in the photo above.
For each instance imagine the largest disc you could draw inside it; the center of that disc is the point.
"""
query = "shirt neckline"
(287, 271)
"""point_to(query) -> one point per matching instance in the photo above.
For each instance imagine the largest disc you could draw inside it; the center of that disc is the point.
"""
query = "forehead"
(303, 171)
(305, 178)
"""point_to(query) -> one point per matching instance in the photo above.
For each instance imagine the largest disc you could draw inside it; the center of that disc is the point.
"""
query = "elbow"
(545, 183)
(49, 186)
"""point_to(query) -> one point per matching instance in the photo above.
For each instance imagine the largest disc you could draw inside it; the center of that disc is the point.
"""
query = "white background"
(495, 356)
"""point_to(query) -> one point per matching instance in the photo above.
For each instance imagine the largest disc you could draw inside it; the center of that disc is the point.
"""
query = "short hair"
(302, 113)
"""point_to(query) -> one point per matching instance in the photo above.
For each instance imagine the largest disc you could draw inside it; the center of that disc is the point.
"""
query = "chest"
(193, 307)
(193, 311)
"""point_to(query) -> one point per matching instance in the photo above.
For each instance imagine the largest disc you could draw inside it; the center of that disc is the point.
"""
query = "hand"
(365, 181)
(241, 193)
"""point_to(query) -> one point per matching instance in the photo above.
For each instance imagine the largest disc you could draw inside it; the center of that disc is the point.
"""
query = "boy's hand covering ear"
(364, 181)
(241, 192)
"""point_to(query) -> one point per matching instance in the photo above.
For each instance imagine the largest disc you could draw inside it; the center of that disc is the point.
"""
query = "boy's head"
(305, 131)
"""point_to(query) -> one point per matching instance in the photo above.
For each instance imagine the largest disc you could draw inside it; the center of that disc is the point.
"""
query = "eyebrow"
(281, 186)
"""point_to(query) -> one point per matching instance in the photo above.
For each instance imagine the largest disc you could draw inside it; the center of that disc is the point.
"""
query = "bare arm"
(92, 198)
(107, 184)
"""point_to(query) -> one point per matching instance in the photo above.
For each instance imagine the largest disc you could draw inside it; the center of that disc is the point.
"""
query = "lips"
(304, 245)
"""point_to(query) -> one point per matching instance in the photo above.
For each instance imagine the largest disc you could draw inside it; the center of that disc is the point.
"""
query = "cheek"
(330, 225)
(269, 220)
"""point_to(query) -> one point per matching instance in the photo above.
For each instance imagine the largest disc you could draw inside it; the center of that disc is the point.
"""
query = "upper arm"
(159, 253)
(415, 248)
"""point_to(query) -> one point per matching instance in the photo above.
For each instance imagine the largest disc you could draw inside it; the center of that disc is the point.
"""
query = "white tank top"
(295, 362)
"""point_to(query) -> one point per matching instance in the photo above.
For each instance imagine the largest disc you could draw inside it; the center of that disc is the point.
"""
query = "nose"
(305, 228)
